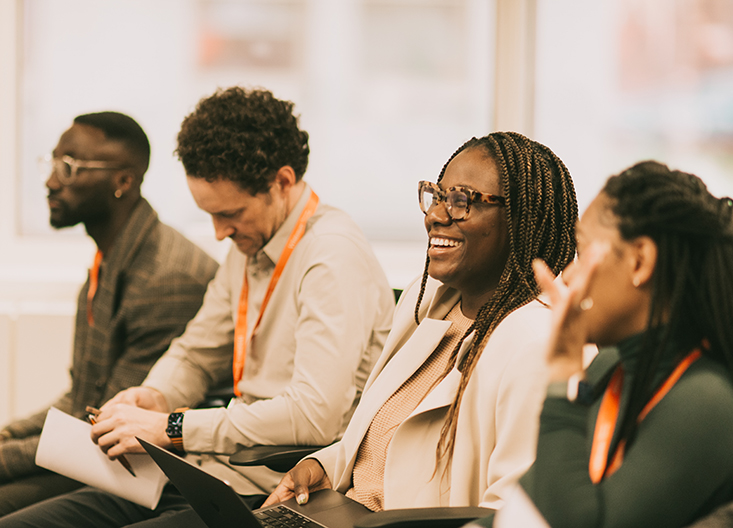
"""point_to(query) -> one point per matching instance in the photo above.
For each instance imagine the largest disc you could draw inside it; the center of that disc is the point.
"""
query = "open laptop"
(219, 506)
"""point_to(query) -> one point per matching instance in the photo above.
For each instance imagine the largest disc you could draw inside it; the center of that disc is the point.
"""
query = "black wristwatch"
(175, 428)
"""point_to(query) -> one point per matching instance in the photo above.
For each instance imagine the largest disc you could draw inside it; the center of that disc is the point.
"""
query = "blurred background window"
(387, 89)
(620, 81)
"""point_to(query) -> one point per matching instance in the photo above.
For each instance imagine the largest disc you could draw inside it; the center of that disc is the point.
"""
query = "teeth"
(444, 242)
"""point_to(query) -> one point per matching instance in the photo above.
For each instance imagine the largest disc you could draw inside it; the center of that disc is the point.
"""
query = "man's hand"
(306, 477)
(143, 397)
(118, 424)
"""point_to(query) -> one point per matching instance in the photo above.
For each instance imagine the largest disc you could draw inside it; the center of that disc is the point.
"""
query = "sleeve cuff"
(197, 427)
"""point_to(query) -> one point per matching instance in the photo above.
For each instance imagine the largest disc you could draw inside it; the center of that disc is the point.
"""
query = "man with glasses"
(298, 314)
(146, 283)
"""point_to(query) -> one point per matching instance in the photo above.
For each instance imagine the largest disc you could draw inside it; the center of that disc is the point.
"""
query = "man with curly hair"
(300, 339)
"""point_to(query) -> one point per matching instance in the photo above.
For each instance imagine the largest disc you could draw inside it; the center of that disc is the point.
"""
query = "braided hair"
(692, 284)
(542, 210)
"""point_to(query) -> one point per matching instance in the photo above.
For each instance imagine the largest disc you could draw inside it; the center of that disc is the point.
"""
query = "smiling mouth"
(436, 242)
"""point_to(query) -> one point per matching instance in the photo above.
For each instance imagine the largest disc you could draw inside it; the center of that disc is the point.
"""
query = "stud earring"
(586, 304)
(636, 282)
(118, 193)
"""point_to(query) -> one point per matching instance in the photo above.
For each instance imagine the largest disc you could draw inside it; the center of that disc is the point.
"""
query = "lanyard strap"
(608, 414)
(240, 330)
(93, 283)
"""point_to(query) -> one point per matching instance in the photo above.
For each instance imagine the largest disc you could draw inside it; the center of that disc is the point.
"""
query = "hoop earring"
(118, 193)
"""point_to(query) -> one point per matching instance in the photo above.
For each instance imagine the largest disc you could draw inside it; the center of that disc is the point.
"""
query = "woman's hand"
(569, 301)
(304, 478)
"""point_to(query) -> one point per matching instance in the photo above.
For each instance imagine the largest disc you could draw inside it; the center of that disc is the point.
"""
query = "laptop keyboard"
(282, 517)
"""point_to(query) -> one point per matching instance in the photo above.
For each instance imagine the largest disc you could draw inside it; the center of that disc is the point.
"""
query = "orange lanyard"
(608, 414)
(93, 283)
(240, 330)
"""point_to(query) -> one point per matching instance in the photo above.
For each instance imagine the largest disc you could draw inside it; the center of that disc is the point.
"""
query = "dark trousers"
(25, 491)
(92, 508)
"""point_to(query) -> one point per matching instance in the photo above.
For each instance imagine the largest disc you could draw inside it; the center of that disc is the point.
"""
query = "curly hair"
(244, 136)
(542, 211)
(692, 283)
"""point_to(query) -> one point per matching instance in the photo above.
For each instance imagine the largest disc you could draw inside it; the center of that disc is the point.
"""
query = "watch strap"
(175, 428)
(177, 442)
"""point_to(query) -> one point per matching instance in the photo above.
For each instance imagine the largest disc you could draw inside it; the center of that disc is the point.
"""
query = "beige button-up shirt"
(306, 366)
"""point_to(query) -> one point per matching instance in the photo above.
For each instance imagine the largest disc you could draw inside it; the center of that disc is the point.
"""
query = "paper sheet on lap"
(66, 447)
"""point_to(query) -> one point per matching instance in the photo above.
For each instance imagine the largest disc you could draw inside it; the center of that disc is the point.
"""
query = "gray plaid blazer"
(150, 285)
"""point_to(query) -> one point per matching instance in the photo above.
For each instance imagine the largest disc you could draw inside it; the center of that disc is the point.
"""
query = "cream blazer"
(498, 418)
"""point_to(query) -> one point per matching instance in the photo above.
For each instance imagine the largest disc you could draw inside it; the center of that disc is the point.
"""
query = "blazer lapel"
(406, 349)
(445, 392)
(411, 356)
(442, 298)
(96, 346)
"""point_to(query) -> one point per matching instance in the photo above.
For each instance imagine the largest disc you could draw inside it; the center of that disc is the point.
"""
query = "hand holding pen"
(92, 417)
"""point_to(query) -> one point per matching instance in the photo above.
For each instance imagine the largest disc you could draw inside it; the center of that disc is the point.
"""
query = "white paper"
(66, 447)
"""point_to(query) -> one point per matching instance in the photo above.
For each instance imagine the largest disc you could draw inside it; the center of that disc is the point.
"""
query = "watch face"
(175, 425)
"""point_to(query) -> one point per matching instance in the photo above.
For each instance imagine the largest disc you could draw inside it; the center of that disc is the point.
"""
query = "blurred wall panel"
(42, 356)
(6, 382)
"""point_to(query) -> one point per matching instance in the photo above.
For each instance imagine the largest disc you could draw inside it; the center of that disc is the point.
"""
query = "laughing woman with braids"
(449, 415)
(650, 444)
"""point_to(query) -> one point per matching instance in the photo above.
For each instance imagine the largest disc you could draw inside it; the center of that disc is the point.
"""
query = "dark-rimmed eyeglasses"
(457, 200)
(67, 168)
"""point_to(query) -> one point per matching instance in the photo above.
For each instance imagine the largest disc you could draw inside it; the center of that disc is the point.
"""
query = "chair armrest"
(447, 517)
(278, 457)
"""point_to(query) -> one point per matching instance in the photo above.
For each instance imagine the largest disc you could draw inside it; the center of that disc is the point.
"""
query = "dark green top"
(679, 467)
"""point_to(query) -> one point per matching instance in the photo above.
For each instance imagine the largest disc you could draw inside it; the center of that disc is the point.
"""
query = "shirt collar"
(274, 248)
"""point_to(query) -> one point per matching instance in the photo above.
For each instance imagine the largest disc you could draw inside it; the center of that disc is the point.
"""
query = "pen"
(92, 417)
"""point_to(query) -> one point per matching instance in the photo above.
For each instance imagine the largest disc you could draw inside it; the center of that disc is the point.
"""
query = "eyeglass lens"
(63, 171)
(456, 201)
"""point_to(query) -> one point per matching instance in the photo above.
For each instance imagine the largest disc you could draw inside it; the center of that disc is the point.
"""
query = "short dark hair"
(122, 128)
(244, 136)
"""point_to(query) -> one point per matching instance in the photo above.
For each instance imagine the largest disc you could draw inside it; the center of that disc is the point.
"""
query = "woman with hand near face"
(651, 442)
(449, 415)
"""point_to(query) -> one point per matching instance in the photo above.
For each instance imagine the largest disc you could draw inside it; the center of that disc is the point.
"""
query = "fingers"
(299, 482)
(302, 493)
(118, 426)
(126, 396)
(283, 492)
(125, 446)
(100, 429)
(578, 284)
(571, 302)
(143, 397)
(587, 266)
(546, 280)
